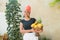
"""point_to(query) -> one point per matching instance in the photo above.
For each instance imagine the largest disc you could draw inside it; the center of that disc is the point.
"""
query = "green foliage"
(13, 17)
(39, 20)
(54, 2)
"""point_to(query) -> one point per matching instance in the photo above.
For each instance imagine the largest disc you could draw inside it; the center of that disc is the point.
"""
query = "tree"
(13, 17)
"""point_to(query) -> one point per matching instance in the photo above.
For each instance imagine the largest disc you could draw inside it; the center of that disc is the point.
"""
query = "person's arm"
(24, 31)
(39, 31)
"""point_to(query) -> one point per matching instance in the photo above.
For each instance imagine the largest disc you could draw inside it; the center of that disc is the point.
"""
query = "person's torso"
(27, 24)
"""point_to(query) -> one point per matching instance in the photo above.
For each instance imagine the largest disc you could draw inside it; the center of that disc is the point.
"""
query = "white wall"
(3, 24)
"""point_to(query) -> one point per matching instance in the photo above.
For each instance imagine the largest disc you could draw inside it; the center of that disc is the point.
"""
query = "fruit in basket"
(37, 26)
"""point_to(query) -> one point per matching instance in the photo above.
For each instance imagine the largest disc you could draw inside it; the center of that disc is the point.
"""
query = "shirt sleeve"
(21, 21)
(34, 20)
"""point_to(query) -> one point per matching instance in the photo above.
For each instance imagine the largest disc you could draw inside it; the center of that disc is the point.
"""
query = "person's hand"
(38, 31)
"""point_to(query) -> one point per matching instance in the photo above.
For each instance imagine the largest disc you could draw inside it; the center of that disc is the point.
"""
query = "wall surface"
(50, 16)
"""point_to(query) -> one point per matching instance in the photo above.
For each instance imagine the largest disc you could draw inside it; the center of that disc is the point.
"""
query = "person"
(25, 25)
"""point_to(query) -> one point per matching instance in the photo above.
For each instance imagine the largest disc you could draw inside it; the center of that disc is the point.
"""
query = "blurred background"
(40, 8)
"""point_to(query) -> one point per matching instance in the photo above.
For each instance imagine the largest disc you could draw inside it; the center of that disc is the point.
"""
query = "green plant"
(13, 17)
(54, 2)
